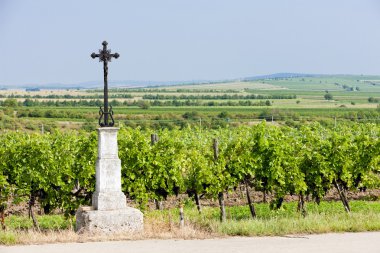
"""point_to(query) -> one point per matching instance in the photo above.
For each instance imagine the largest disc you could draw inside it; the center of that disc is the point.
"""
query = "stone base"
(128, 219)
(104, 201)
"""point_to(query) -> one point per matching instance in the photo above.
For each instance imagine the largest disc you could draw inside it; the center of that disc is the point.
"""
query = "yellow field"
(44, 92)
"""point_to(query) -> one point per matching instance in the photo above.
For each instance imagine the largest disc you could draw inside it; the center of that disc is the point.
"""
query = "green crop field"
(353, 98)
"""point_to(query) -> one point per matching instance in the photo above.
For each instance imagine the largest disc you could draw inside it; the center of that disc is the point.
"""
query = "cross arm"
(93, 55)
(115, 55)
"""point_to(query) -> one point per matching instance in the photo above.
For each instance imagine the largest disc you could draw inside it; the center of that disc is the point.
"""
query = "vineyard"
(57, 169)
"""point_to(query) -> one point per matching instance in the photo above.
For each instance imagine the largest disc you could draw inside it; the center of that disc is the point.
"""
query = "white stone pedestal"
(109, 211)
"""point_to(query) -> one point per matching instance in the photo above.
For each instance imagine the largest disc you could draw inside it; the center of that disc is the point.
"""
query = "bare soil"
(238, 198)
(234, 198)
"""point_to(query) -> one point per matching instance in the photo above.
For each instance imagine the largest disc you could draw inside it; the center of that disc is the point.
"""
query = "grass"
(8, 238)
(46, 222)
(315, 223)
(327, 217)
(20, 228)
(324, 218)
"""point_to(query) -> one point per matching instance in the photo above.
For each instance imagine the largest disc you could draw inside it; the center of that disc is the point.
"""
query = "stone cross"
(105, 56)
(109, 212)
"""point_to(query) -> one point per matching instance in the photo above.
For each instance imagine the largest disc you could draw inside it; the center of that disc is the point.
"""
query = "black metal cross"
(105, 56)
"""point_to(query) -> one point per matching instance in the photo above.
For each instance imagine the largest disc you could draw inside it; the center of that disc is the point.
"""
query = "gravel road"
(325, 243)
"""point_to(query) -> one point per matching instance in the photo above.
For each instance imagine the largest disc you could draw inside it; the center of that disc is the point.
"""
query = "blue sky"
(46, 41)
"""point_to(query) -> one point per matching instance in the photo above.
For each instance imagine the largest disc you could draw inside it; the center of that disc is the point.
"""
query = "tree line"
(216, 97)
(144, 104)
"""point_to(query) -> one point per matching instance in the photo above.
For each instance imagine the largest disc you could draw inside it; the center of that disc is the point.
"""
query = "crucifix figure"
(105, 56)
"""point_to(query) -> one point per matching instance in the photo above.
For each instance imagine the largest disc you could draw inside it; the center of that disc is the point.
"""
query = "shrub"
(328, 96)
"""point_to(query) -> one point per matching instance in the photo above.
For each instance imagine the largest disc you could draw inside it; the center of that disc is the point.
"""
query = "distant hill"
(279, 75)
(137, 84)
(99, 84)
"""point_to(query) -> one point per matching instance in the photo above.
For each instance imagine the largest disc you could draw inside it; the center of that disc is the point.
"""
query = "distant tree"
(28, 102)
(268, 103)
(10, 102)
(329, 96)
(223, 115)
(373, 100)
(191, 115)
(144, 104)
(114, 102)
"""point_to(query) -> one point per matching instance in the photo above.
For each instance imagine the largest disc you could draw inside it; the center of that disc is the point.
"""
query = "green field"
(352, 98)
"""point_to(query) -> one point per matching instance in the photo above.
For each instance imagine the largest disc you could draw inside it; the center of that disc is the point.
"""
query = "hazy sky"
(45, 41)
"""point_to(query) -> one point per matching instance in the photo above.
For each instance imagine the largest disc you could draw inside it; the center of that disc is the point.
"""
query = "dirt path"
(326, 243)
